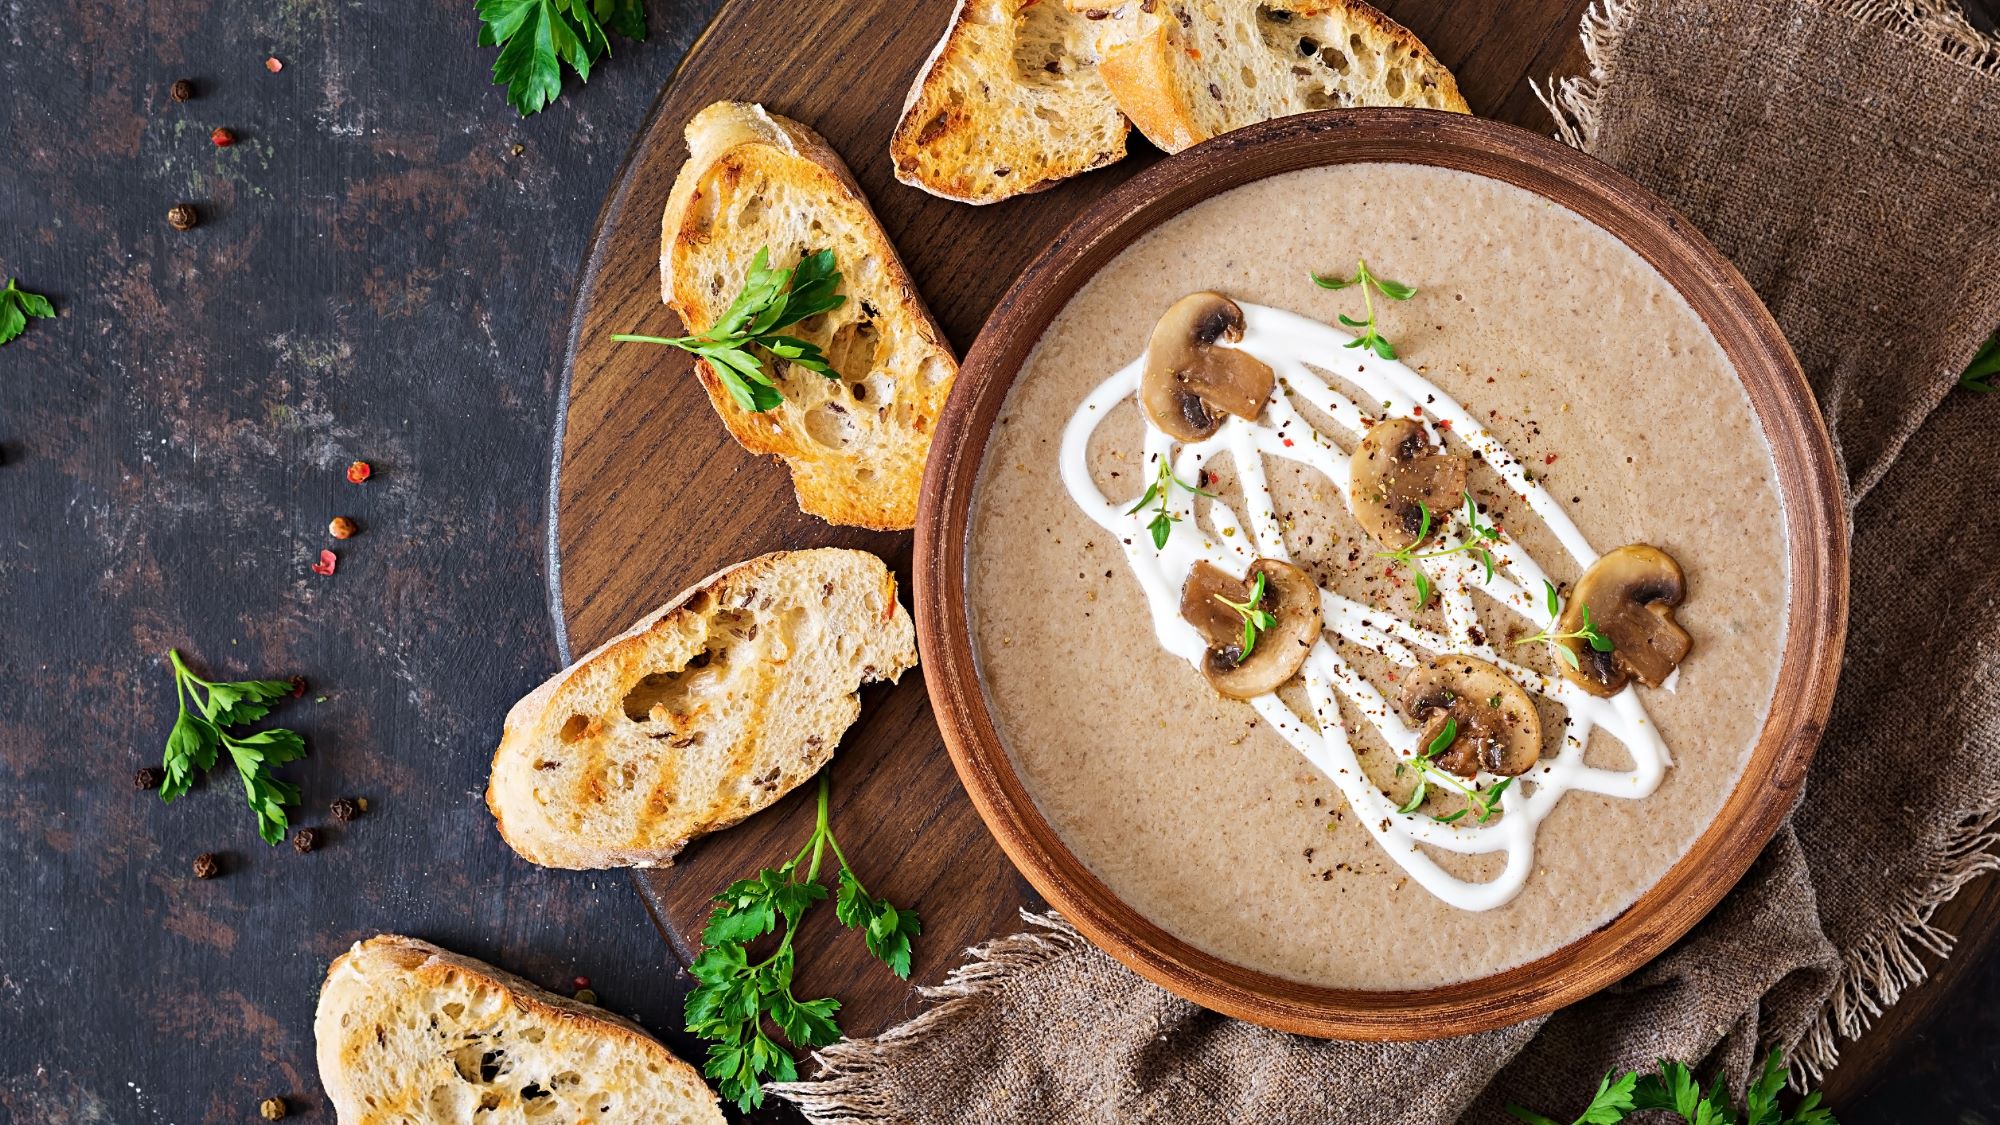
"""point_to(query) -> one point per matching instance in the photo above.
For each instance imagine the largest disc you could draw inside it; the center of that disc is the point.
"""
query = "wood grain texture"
(1816, 528)
(649, 492)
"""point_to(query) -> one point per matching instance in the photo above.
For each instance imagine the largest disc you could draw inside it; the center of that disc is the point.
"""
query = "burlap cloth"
(1845, 154)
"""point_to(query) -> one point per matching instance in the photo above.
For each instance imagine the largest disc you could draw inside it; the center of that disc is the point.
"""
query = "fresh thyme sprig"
(1588, 634)
(1394, 290)
(1255, 620)
(1478, 534)
(1486, 801)
(1673, 1088)
(200, 735)
(1985, 368)
(734, 995)
(1162, 524)
(771, 299)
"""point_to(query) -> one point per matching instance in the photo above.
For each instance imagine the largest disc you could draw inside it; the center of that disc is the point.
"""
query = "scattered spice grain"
(206, 866)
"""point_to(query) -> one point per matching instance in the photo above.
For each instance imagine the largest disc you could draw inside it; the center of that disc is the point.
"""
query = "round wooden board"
(650, 494)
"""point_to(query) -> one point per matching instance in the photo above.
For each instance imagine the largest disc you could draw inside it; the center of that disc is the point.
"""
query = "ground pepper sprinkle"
(359, 471)
(327, 562)
(222, 137)
(206, 866)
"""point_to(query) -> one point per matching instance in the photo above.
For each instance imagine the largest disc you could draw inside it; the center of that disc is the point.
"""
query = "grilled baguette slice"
(1188, 70)
(704, 712)
(1009, 102)
(855, 444)
(409, 1034)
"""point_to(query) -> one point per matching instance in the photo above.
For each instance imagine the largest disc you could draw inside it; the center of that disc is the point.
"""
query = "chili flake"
(273, 65)
(327, 561)
(222, 137)
(358, 472)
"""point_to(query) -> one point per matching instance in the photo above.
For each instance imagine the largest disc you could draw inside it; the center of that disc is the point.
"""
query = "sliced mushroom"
(1395, 470)
(1499, 730)
(1631, 594)
(1189, 381)
(1289, 595)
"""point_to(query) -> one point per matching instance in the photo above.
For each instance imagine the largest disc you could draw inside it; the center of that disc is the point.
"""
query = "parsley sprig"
(1486, 801)
(16, 306)
(1255, 620)
(1978, 377)
(770, 299)
(1162, 524)
(1673, 1088)
(1588, 634)
(200, 735)
(735, 994)
(1370, 285)
(1477, 535)
(536, 37)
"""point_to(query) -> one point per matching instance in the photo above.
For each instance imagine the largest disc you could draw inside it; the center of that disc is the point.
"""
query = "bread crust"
(930, 121)
(530, 729)
(423, 965)
(732, 146)
(1140, 67)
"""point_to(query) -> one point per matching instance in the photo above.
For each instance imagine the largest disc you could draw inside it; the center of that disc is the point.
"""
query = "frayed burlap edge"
(850, 1084)
(1874, 974)
(1936, 25)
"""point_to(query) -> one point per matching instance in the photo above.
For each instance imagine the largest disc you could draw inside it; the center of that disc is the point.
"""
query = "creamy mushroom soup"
(1374, 638)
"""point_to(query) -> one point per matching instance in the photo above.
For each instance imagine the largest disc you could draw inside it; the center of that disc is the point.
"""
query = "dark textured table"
(382, 271)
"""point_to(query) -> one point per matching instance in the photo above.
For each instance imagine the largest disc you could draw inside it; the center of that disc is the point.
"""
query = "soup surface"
(1614, 405)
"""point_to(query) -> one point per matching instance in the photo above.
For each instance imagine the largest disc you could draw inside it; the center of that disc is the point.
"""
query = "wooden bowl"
(1816, 547)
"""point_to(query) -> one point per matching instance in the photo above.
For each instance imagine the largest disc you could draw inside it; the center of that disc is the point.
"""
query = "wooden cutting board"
(652, 494)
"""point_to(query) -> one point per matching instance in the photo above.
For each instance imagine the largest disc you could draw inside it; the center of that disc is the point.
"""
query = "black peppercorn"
(148, 778)
(181, 90)
(305, 840)
(343, 811)
(206, 866)
(182, 216)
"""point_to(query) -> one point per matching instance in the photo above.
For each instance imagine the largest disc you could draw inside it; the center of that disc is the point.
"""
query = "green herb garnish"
(1370, 285)
(1478, 534)
(1486, 801)
(536, 37)
(1673, 1088)
(16, 306)
(200, 735)
(1163, 521)
(1255, 620)
(735, 994)
(1978, 377)
(771, 299)
(1588, 634)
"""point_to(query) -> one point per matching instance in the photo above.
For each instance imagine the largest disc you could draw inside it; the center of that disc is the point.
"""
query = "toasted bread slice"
(704, 712)
(1009, 102)
(855, 444)
(1188, 70)
(409, 1034)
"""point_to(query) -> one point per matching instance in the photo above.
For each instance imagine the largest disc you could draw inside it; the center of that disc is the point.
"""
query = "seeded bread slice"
(704, 712)
(1009, 102)
(1188, 70)
(856, 444)
(409, 1034)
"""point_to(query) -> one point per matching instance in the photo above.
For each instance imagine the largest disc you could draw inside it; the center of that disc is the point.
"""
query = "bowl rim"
(1810, 491)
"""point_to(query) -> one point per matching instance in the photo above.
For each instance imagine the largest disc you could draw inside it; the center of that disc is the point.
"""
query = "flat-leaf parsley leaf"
(1673, 1088)
(536, 37)
(16, 306)
(200, 735)
(735, 994)
(770, 299)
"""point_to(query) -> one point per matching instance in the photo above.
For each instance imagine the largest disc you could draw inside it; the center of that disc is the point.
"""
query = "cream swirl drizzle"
(1288, 342)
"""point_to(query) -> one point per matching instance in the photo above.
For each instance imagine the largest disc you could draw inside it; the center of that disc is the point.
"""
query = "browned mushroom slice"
(1396, 469)
(1289, 596)
(1631, 594)
(1189, 382)
(1498, 729)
